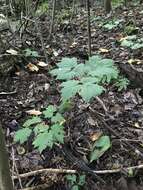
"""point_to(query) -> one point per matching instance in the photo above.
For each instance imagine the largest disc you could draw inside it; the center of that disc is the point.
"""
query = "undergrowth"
(85, 80)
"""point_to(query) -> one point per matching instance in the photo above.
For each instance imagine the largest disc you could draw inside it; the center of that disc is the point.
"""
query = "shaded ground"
(123, 120)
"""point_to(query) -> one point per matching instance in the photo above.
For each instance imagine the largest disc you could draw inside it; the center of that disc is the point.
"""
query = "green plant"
(76, 183)
(64, 15)
(117, 3)
(87, 80)
(99, 147)
(47, 129)
(42, 8)
(131, 29)
(122, 84)
(95, 19)
(132, 42)
(111, 24)
(28, 52)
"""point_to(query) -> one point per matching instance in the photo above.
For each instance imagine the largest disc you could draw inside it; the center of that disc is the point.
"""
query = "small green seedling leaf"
(48, 138)
(32, 121)
(58, 133)
(75, 187)
(122, 84)
(45, 136)
(130, 172)
(89, 90)
(76, 182)
(72, 178)
(70, 88)
(29, 52)
(49, 112)
(40, 128)
(58, 118)
(65, 106)
(67, 63)
(43, 141)
(22, 135)
(99, 148)
(81, 180)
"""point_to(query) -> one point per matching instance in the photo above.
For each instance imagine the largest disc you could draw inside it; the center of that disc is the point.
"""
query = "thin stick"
(17, 173)
(49, 170)
(42, 41)
(66, 171)
(88, 27)
(53, 18)
(8, 93)
(102, 104)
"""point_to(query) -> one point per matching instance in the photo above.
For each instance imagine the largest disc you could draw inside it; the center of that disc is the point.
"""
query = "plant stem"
(88, 27)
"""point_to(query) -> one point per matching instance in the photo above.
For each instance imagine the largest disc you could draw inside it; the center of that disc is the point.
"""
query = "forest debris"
(32, 67)
(42, 64)
(135, 61)
(12, 51)
(68, 171)
(34, 112)
(103, 50)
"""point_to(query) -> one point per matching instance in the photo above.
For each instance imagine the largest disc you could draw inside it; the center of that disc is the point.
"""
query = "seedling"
(75, 182)
(47, 129)
(28, 53)
(132, 42)
(111, 24)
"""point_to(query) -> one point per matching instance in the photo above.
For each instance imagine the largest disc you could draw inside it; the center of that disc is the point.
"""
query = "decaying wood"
(5, 178)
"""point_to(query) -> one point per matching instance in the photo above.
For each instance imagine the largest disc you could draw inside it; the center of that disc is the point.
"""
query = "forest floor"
(122, 120)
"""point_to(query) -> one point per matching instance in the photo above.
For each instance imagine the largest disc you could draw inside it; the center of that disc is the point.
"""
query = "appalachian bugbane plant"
(88, 80)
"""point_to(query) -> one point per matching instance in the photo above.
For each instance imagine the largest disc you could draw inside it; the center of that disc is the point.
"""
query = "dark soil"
(123, 121)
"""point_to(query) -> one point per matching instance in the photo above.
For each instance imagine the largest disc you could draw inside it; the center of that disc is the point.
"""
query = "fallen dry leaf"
(135, 61)
(12, 51)
(55, 53)
(32, 67)
(21, 150)
(103, 50)
(34, 112)
(137, 125)
(42, 64)
(95, 136)
(123, 38)
(74, 44)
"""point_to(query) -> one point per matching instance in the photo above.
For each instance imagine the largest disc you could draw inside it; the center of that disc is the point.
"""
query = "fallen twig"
(101, 103)
(8, 93)
(66, 171)
(49, 170)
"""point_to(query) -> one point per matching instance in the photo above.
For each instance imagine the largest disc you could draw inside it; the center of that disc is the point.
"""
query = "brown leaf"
(34, 112)
(95, 136)
(42, 64)
(135, 61)
(12, 51)
(32, 67)
(103, 50)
